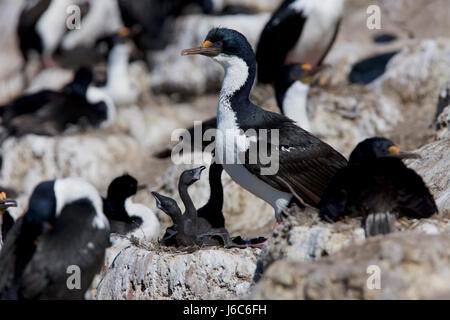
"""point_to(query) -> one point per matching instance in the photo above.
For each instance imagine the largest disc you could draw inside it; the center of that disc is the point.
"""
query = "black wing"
(334, 198)
(46, 275)
(306, 163)
(279, 36)
(414, 197)
(27, 104)
(7, 259)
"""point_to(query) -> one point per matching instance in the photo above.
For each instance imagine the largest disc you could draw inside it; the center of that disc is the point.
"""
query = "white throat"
(236, 75)
(118, 64)
(295, 104)
(118, 84)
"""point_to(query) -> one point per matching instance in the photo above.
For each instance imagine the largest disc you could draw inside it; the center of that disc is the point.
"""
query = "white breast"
(318, 31)
(71, 189)
(230, 141)
(295, 103)
(52, 25)
(150, 228)
(119, 85)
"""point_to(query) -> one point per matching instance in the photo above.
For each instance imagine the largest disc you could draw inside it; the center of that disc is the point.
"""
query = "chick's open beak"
(158, 201)
(198, 172)
(206, 49)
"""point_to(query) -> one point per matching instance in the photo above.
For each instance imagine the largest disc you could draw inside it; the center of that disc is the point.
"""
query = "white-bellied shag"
(305, 163)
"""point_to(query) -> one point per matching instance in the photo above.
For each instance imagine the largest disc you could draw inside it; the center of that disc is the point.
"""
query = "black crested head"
(371, 148)
(188, 177)
(81, 81)
(378, 147)
(232, 50)
(166, 204)
(228, 42)
(42, 204)
(231, 42)
(121, 188)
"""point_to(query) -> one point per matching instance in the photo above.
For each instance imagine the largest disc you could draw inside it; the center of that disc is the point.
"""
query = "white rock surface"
(205, 274)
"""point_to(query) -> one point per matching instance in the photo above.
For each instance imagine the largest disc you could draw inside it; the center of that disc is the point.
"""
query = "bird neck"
(238, 81)
(187, 201)
(116, 209)
(215, 201)
(96, 96)
(295, 102)
(118, 65)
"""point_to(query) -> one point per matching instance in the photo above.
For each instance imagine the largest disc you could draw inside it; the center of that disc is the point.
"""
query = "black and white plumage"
(118, 83)
(291, 91)
(41, 26)
(126, 217)
(6, 220)
(305, 162)
(63, 226)
(299, 31)
(50, 112)
(93, 26)
(28, 35)
(377, 185)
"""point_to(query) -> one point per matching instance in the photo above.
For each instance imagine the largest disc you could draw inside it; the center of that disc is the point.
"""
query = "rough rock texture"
(213, 273)
(433, 168)
(412, 266)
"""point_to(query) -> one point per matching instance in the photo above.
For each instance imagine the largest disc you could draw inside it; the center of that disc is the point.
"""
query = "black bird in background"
(300, 31)
(64, 226)
(119, 190)
(377, 185)
(50, 112)
(150, 20)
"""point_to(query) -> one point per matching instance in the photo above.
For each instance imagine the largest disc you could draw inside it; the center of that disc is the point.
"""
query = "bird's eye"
(218, 44)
